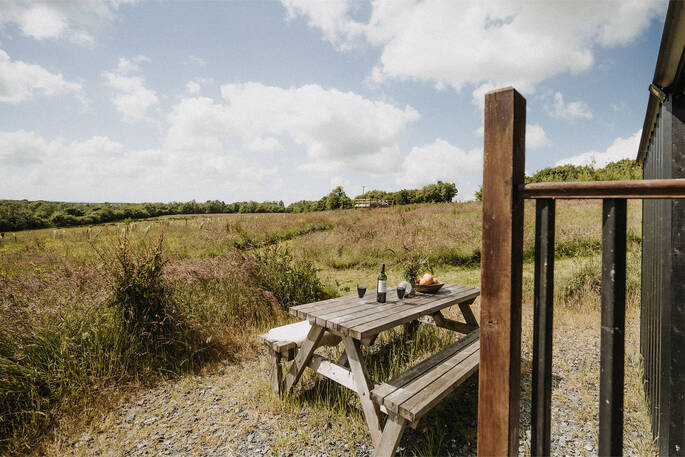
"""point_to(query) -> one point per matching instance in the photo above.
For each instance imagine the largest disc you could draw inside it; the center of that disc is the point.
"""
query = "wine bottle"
(382, 286)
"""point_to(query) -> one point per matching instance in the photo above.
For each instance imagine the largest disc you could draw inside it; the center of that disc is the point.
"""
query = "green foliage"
(292, 280)
(585, 281)
(337, 199)
(625, 169)
(432, 193)
(140, 295)
(249, 241)
(23, 214)
(414, 265)
(478, 195)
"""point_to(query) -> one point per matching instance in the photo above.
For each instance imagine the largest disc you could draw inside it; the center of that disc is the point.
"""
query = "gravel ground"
(210, 415)
(231, 412)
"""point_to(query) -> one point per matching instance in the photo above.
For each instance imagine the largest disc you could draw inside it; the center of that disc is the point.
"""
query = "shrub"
(292, 280)
(139, 293)
(583, 285)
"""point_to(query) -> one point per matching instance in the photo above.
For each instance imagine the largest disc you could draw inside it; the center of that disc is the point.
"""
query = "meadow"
(90, 315)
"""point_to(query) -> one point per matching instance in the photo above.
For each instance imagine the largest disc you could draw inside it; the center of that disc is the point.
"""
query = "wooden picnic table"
(358, 322)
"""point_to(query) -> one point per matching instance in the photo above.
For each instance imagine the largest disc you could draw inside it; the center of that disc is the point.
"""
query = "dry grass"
(45, 274)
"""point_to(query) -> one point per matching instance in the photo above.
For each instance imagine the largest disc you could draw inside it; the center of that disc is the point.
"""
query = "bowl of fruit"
(427, 284)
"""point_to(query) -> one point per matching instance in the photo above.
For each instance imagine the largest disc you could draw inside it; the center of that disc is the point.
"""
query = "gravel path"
(232, 412)
(212, 415)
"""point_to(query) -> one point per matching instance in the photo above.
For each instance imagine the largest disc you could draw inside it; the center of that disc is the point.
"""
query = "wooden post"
(501, 265)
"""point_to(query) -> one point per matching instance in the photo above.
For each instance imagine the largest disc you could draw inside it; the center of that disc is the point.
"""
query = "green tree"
(337, 199)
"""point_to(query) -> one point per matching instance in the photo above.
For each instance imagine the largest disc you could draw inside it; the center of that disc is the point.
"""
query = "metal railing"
(501, 283)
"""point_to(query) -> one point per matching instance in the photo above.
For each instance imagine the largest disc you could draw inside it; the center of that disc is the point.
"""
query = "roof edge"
(668, 68)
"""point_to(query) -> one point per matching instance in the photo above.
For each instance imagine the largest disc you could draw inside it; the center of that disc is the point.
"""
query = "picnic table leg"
(276, 372)
(371, 410)
(468, 313)
(304, 356)
(342, 361)
(392, 433)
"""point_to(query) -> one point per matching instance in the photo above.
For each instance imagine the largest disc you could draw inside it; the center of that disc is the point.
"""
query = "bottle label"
(382, 286)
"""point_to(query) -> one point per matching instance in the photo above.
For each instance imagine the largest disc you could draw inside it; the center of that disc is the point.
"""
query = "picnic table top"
(364, 318)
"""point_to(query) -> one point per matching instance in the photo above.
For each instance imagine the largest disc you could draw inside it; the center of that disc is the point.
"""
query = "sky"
(133, 101)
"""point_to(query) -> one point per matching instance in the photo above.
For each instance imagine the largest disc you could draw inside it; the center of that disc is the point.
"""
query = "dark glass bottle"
(382, 286)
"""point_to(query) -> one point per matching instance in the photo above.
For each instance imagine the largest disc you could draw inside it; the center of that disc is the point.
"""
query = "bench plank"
(276, 345)
(414, 408)
(387, 388)
(333, 371)
(396, 401)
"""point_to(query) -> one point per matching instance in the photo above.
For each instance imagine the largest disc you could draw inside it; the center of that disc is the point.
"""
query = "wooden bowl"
(428, 288)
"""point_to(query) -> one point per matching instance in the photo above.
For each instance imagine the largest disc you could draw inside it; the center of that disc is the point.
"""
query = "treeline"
(23, 214)
(626, 169)
(432, 193)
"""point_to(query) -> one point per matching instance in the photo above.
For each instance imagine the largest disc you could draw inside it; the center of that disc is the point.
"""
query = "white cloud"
(568, 111)
(345, 183)
(102, 169)
(20, 81)
(259, 144)
(193, 87)
(473, 42)
(132, 98)
(330, 17)
(441, 160)
(620, 148)
(336, 129)
(47, 19)
(43, 22)
(536, 137)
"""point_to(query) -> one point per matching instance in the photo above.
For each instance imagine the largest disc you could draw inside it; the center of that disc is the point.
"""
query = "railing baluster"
(613, 327)
(542, 327)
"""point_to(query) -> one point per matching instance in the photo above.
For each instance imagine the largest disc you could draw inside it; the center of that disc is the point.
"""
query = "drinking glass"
(400, 293)
(361, 290)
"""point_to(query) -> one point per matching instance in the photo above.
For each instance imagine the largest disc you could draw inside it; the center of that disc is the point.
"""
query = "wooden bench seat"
(412, 394)
(282, 344)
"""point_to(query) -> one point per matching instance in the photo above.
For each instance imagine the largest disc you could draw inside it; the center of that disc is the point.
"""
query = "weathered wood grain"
(303, 357)
(387, 388)
(392, 433)
(501, 273)
(364, 387)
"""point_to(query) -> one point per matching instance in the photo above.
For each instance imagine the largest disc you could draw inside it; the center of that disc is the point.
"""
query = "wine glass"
(361, 290)
(400, 293)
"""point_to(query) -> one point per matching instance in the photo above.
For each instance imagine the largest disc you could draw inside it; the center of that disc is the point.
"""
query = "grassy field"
(89, 315)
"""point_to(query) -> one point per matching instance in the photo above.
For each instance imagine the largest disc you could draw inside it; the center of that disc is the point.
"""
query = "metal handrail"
(648, 188)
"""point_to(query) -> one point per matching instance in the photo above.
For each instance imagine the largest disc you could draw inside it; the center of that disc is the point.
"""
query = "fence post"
(501, 275)
(612, 342)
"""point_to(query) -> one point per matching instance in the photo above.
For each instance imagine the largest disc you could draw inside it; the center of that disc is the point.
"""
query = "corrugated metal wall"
(662, 314)
(655, 234)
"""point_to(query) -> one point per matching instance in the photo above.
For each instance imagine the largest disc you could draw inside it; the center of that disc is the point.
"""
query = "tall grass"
(151, 319)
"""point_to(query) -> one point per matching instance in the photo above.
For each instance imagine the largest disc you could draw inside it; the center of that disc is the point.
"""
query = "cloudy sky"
(125, 100)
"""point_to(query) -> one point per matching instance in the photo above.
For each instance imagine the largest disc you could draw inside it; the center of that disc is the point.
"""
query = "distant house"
(370, 203)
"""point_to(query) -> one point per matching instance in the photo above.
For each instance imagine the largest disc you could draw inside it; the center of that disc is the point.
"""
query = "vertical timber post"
(501, 275)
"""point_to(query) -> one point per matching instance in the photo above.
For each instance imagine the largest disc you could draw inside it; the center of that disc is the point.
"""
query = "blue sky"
(128, 100)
